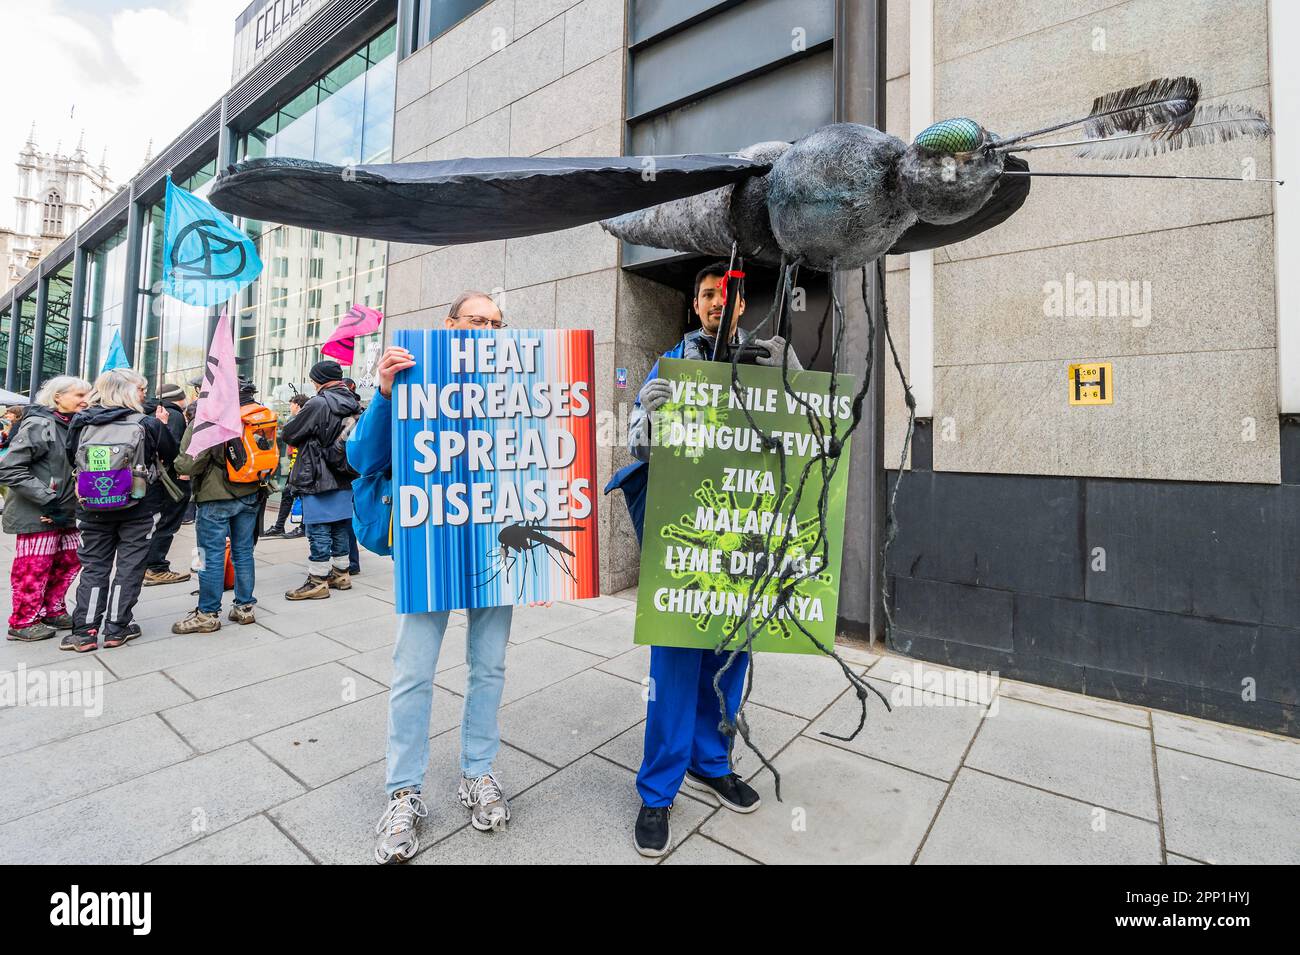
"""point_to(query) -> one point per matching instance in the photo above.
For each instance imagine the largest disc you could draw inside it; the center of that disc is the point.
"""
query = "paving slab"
(798, 683)
(1098, 761)
(230, 671)
(36, 779)
(88, 667)
(254, 841)
(336, 823)
(220, 720)
(926, 732)
(697, 850)
(990, 821)
(312, 616)
(378, 663)
(176, 650)
(822, 821)
(923, 675)
(150, 815)
(605, 603)
(332, 744)
(1228, 814)
(1273, 754)
(583, 814)
(28, 726)
(366, 635)
(632, 665)
(530, 667)
(571, 718)
(608, 635)
(528, 623)
(1075, 702)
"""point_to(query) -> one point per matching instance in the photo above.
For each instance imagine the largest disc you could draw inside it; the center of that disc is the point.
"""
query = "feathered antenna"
(1165, 105)
(1213, 123)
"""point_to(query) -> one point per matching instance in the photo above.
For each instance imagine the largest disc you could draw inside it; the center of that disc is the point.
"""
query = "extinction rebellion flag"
(206, 259)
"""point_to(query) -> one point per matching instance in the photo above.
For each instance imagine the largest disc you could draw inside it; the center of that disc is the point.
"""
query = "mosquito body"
(518, 543)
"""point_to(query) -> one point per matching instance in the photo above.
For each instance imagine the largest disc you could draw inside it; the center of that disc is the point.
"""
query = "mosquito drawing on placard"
(519, 542)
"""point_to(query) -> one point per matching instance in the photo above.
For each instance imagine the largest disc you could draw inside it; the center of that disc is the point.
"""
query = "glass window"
(297, 127)
(58, 297)
(4, 343)
(104, 278)
(26, 308)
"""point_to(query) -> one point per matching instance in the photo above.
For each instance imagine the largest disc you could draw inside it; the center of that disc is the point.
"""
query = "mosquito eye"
(950, 136)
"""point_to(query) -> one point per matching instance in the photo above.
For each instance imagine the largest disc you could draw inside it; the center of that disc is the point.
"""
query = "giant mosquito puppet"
(838, 200)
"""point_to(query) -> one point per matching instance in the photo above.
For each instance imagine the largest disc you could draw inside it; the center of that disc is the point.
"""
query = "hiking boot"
(31, 633)
(129, 632)
(482, 796)
(729, 791)
(315, 588)
(154, 577)
(62, 621)
(339, 580)
(199, 622)
(398, 829)
(653, 832)
(82, 642)
(242, 613)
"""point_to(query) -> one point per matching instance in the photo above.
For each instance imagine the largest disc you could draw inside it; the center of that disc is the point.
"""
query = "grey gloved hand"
(775, 349)
(655, 393)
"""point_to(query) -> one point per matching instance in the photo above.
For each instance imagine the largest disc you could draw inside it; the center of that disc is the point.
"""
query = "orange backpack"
(254, 455)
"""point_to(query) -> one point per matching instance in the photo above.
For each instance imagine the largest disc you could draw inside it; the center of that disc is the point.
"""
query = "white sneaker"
(488, 808)
(398, 828)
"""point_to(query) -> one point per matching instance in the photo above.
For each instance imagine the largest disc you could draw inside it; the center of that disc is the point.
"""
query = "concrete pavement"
(265, 744)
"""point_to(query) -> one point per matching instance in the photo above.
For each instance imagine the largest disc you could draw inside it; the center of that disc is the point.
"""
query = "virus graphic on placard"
(680, 412)
(740, 538)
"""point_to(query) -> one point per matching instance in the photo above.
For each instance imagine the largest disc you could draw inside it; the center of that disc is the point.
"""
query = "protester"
(159, 571)
(9, 425)
(41, 510)
(118, 454)
(354, 552)
(682, 738)
(287, 497)
(419, 641)
(322, 478)
(225, 509)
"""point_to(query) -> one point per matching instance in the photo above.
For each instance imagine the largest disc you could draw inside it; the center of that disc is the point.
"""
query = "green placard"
(98, 457)
(715, 496)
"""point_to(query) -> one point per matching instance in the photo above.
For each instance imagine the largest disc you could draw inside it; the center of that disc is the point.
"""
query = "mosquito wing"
(454, 201)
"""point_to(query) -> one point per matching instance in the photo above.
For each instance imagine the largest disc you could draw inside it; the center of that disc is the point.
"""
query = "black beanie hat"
(247, 390)
(324, 371)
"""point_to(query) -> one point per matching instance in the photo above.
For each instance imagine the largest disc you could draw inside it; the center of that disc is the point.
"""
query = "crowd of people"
(99, 480)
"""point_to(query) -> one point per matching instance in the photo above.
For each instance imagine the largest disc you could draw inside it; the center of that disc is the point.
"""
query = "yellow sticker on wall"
(1092, 384)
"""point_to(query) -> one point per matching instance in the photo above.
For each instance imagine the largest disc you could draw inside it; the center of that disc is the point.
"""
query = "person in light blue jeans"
(419, 641)
(213, 523)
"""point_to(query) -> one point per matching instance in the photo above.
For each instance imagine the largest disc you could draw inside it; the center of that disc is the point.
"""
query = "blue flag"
(116, 357)
(205, 258)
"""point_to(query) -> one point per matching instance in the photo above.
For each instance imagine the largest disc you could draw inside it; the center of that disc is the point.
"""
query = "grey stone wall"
(535, 78)
(1196, 385)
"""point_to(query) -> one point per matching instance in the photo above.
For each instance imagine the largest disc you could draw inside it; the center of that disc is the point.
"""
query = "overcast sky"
(125, 71)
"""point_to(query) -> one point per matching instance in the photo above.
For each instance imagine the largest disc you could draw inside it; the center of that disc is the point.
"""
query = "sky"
(124, 71)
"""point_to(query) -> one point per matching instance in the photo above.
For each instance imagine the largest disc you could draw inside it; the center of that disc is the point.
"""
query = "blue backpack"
(372, 512)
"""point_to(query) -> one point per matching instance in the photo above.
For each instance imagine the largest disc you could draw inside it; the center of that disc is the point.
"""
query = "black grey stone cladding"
(1197, 609)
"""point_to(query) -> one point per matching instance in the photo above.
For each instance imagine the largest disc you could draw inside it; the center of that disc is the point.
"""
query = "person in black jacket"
(123, 535)
(322, 478)
(159, 569)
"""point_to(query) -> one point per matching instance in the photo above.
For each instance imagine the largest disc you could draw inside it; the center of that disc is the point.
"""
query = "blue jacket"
(370, 446)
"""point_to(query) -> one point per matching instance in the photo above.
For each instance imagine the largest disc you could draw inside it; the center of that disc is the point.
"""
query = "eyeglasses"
(480, 321)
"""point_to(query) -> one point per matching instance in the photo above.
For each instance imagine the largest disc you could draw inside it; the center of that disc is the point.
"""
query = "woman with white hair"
(40, 510)
(118, 453)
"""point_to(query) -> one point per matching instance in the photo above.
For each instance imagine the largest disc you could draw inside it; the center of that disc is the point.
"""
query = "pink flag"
(357, 322)
(217, 418)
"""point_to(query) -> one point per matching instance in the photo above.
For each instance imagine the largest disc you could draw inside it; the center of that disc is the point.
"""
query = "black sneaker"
(653, 833)
(129, 632)
(80, 642)
(729, 791)
(274, 530)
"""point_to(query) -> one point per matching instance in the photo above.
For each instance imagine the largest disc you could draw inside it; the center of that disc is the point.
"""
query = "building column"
(38, 331)
(11, 362)
(860, 98)
(131, 284)
(76, 304)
